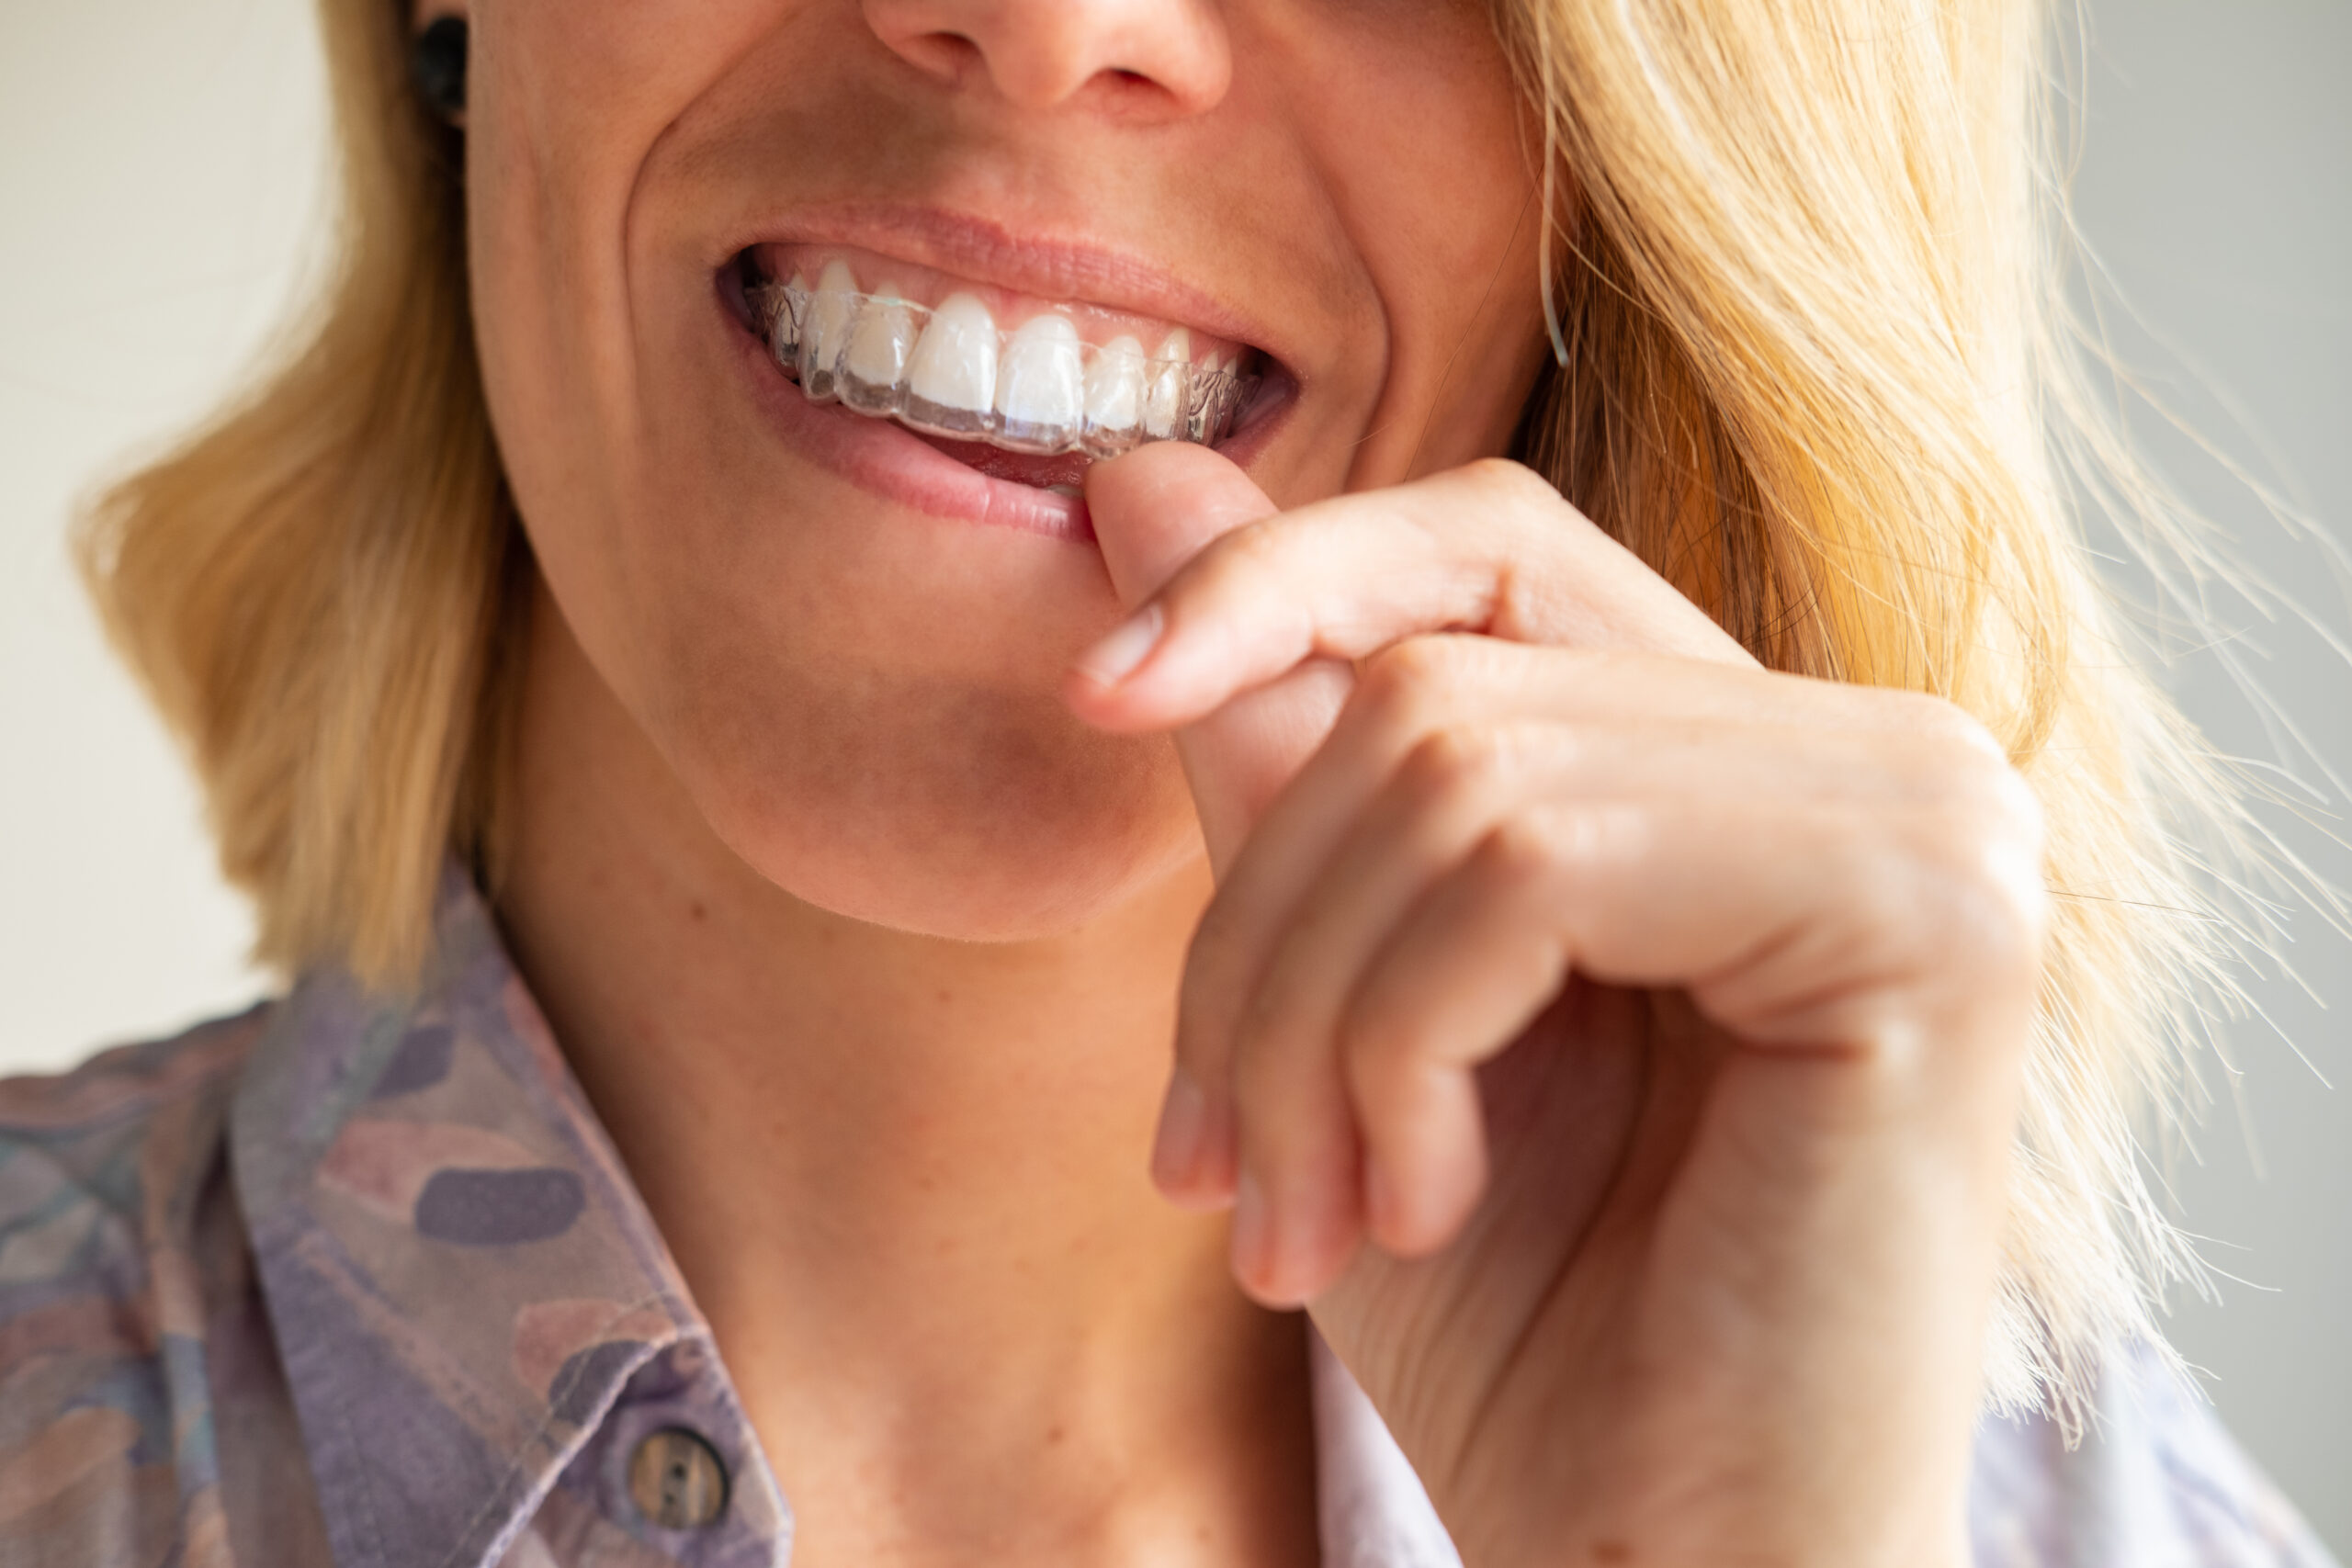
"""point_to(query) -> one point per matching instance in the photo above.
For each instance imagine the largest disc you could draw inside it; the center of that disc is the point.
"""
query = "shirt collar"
(479, 1321)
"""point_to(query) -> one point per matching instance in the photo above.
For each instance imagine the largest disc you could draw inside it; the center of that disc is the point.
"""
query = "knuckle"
(1986, 800)
(1527, 848)
(1503, 481)
(1946, 723)
(1421, 662)
(1245, 560)
(1971, 765)
(1256, 545)
(1996, 796)
(2016, 807)
(1992, 903)
(2007, 901)
(1407, 679)
(1451, 763)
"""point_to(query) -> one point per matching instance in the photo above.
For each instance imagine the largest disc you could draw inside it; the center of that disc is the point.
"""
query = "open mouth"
(1020, 388)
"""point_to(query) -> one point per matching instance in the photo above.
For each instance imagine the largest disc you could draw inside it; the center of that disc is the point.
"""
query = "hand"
(1656, 1019)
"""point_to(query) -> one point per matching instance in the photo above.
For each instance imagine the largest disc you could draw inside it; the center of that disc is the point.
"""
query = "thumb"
(1153, 510)
(1160, 505)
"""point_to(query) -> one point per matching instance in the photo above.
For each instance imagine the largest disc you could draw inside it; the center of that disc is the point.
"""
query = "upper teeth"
(948, 369)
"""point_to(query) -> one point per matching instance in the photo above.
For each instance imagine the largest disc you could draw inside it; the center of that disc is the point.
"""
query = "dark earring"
(437, 66)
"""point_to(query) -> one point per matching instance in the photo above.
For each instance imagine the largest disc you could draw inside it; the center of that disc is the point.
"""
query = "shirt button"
(676, 1481)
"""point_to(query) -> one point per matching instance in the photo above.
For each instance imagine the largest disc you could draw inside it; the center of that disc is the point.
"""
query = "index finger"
(1490, 549)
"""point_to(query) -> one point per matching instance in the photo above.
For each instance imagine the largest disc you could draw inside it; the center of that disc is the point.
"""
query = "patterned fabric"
(354, 1282)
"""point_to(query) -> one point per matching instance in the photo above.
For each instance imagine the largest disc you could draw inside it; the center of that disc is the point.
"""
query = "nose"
(1149, 59)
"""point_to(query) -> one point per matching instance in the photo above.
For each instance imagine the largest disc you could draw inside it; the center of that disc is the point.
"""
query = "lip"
(895, 465)
(891, 463)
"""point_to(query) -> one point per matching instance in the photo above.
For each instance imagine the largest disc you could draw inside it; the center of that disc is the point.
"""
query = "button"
(676, 1481)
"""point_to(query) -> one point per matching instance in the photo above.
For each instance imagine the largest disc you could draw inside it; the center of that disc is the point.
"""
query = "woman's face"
(845, 639)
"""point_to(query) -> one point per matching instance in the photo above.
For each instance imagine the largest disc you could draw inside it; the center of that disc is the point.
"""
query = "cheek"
(541, 191)
(568, 98)
(1424, 140)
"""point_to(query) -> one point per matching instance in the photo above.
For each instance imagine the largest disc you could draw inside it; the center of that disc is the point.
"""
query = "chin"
(1008, 824)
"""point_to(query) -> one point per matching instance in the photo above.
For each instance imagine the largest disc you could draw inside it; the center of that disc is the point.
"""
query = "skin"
(1611, 1042)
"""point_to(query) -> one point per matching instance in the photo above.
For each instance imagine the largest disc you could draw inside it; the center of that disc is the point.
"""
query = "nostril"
(961, 48)
(947, 56)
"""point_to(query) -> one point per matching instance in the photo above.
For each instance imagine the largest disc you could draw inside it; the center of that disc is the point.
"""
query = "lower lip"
(892, 463)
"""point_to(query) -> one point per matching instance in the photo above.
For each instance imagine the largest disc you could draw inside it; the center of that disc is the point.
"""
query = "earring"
(437, 66)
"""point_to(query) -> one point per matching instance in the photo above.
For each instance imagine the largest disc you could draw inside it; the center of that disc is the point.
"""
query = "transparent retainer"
(1050, 393)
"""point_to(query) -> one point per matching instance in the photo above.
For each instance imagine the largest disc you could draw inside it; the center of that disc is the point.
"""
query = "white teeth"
(951, 383)
(1114, 397)
(1163, 398)
(826, 332)
(788, 307)
(1207, 408)
(947, 370)
(874, 366)
(1040, 394)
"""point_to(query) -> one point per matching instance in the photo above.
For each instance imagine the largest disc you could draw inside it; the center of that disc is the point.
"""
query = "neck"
(905, 1178)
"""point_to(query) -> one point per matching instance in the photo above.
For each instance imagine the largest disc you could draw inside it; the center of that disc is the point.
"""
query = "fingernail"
(1184, 1118)
(1252, 1234)
(1110, 660)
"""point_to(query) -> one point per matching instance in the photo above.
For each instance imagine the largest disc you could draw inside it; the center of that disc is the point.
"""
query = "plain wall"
(2216, 185)
(160, 177)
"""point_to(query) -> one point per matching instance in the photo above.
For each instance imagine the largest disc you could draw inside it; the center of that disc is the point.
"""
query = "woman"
(836, 575)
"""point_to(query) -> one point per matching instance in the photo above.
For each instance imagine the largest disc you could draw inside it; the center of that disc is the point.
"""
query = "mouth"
(1019, 388)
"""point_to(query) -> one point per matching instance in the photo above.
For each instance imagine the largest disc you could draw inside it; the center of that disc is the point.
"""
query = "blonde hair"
(1812, 368)
(323, 590)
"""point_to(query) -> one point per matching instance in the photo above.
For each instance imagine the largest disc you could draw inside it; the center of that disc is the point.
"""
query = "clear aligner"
(948, 370)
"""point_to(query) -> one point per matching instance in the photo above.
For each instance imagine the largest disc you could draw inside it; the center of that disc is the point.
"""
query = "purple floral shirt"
(350, 1282)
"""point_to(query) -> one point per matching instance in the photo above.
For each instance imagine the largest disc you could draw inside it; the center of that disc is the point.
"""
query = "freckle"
(697, 911)
(1612, 1551)
(1055, 1435)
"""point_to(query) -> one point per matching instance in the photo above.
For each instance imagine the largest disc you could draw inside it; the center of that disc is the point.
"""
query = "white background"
(161, 183)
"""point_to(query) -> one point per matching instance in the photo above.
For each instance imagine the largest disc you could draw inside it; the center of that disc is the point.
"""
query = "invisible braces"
(1051, 393)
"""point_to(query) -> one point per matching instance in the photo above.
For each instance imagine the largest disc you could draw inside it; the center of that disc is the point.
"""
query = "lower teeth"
(947, 371)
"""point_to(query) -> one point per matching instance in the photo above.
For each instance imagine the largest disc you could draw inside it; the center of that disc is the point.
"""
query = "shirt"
(355, 1280)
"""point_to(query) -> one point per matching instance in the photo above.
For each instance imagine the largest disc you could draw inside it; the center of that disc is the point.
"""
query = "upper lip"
(987, 252)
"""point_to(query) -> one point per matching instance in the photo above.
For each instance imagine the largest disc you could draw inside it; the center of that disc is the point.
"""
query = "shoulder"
(120, 1090)
(119, 1248)
(102, 1145)
(103, 1170)
(2153, 1478)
